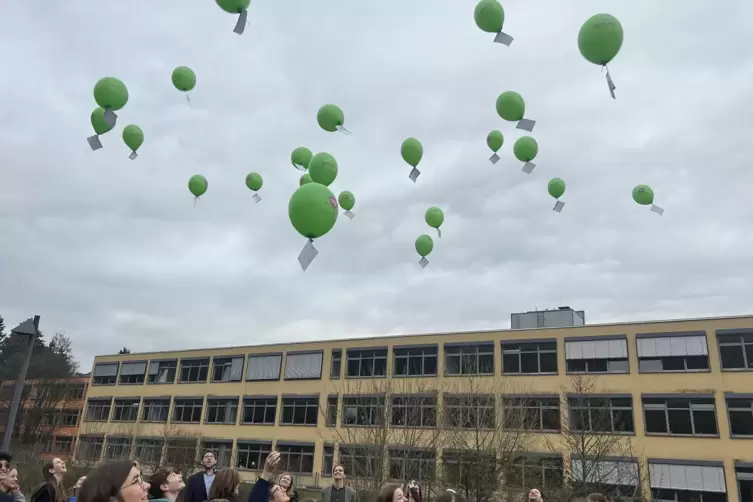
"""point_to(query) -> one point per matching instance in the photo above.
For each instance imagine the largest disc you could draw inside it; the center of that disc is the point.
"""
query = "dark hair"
(156, 481)
(5, 455)
(106, 481)
(336, 466)
(224, 484)
(208, 451)
(387, 492)
(51, 483)
(596, 497)
(450, 496)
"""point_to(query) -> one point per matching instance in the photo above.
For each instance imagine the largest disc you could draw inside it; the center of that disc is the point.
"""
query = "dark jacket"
(195, 490)
(6, 497)
(44, 493)
(260, 491)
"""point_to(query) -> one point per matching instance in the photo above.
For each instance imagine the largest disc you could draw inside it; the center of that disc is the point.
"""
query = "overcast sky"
(112, 251)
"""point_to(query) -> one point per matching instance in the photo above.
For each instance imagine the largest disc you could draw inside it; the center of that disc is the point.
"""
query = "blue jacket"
(260, 491)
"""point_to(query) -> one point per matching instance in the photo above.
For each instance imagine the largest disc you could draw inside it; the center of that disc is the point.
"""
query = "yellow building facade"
(677, 394)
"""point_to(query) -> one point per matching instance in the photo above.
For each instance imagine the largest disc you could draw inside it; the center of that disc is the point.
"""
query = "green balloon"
(434, 217)
(495, 140)
(184, 79)
(643, 195)
(330, 117)
(98, 121)
(254, 181)
(313, 210)
(347, 200)
(110, 93)
(412, 151)
(489, 16)
(301, 157)
(600, 38)
(424, 245)
(133, 136)
(198, 185)
(233, 6)
(525, 149)
(323, 168)
(305, 178)
(510, 106)
(556, 187)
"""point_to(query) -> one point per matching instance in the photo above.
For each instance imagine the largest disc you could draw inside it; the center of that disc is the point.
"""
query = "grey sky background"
(112, 251)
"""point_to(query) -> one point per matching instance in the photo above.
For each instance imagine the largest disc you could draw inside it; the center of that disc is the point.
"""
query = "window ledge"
(734, 370)
(298, 425)
(530, 374)
(311, 379)
(649, 372)
(130, 383)
(699, 436)
(470, 375)
(255, 424)
(741, 436)
(224, 381)
(161, 383)
(265, 380)
(599, 433)
(153, 421)
(597, 372)
(102, 384)
(364, 377)
(193, 382)
(414, 427)
(434, 375)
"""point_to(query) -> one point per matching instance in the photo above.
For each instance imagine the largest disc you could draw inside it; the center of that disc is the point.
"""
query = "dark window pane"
(511, 363)
(705, 422)
(656, 421)
(741, 422)
(549, 362)
(679, 422)
(673, 363)
(529, 362)
(698, 362)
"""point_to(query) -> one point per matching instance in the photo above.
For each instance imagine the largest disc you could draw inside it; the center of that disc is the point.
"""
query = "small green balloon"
(412, 151)
(556, 187)
(323, 168)
(330, 117)
(434, 217)
(301, 157)
(305, 178)
(489, 16)
(233, 6)
(313, 210)
(510, 106)
(643, 195)
(424, 245)
(347, 200)
(184, 79)
(600, 38)
(495, 139)
(133, 136)
(198, 185)
(110, 93)
(98, 121)
(525, 149)
(254, 181)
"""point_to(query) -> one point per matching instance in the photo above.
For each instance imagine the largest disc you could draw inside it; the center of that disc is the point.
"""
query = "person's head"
(450, 496)
(9, 483)
(208, 460)
(163, 481)
(116, 481)
(391, 493)
(225, 484)
(5, 460)
(338, 472)
(53, 470)
(596, 497)
(534, 495)
(285, 480)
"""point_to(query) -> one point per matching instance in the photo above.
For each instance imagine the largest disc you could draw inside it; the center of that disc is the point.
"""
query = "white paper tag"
(307, 255)
(528, 167)
(414, 174)
(657, 210)
(349, 214)
(558, 206)
(526, 124)
(503, 38)
(257, 198)
(611, 86)
(423, 262)
(439, 233)
(241, 24)
(343, 130)
(494, 159)
(110, 117)
(94, 142)
(133, 155)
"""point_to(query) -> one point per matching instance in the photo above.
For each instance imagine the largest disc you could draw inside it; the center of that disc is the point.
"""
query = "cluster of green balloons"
(111, 95)
(198, 185)
(434, 217)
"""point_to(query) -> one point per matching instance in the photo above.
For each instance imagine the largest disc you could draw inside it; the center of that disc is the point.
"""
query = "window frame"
(150, 444)
(253, 405)
(148, 402)
(590, 362)
(227, 364)
(201, 367)
(131, 409)
(319, 353)
(336, 357)
(249, 447)
(121, 444)
(734, 396)
(142, 376)
(173, 365)
(424, 458)
(400, 352)
(278, 355)
(537, 462)
(524, 403)
(328, 453)
(685, 358)
(224, 399)
(176, 403)
(332, 399)
(300, 455)
(743, 344)
(290, 401)
(90, 440)
(505, 347)
(666, 409)
(474, 402)
(107, 400)
(480, 350)
(114, 377)
(427, 409)
(588, 399)
(374, 403)
(350, 353)
(221, 448)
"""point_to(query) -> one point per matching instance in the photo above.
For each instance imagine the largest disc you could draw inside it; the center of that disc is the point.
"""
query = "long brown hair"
(224, 484)
(49, 478)
(387, 492)
(289, 489)
(105, 482)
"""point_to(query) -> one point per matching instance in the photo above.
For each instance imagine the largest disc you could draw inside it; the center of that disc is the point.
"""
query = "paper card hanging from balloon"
(434, 217)
(424, 246)
(347, 201)
(300, 158)
(307, 254)
(414, 174)
(511, 107)
(525, 150)
(423, 262)
(556, 189)
(239, 7)
(490, 17)
(100, 126)
(110, 94)
(184, 79)
(412, 152)
(94, 142)
(599, 41)
(254, 182)
(558, 206)
(494, 141)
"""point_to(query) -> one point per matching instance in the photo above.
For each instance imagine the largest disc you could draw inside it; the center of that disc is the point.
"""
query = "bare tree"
(153, 447)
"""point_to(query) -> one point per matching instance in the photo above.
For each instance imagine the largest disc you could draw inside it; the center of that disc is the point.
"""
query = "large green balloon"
(525, 149)
(434, 217)
(347, 200)
(600, 38)
(184, 79)
(412, 151)
(313, 210)
(110, 93)
(495, 140)
(98, 121)
(556, 187)
(133, 136)
(489, 16)
(330, 117)
(254, 181)
(233, 6)
(643, 195)
(424, 245)
(323, 168)
(301, 157)
(198, 185)
(510, 106)
(305, 178)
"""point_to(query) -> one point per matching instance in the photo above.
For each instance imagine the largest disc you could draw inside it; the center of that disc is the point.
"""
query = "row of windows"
(669, 352)
(44, 417)
(52, 393)
(673, 415)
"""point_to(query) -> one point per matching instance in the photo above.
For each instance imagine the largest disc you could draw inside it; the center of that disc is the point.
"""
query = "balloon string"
(188, 98)
(195, 199)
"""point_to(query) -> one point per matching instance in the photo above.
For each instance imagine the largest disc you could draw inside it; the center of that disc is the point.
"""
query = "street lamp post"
(29, 328)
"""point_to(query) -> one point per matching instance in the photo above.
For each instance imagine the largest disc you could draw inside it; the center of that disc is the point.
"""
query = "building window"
(740, 412)
(74, 392)
(601, 414)
(222, 410)
(149, 451)
(60, 444)
(367, 363)
(530, 358)
(414, 361)
(263, 368)
(180, 452)
(471, 471)
(295, 458)
(469, 360)
(162, 372)
(331, 411)
(697, 483)
(194, 370)
(412, 464)
(66, 418)
(118, 448)
(223, 451)
(672, 353)
(259, 410)
(533, 413)
(597, 356)
(337, 362)
(132, 373)
(328, 461)
(680, 416)
(90, 448)
(469, 411)
(155, 410)
(251, 455)
(618, 480)
(363, 411)
(362, 461)
(187, 410)
(736, 351)
(303, 366)
(125, 410)
(414, 411)
(540, 471)
(300, 410)
(105, 374)
(227, 369)
(98, 410)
